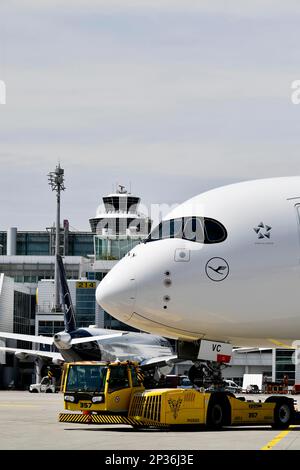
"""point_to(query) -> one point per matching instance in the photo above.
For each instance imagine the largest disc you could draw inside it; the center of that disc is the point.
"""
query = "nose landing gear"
(207, 374)
(209, 358)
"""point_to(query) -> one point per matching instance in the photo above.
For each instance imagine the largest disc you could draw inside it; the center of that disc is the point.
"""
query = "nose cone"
(116, 292)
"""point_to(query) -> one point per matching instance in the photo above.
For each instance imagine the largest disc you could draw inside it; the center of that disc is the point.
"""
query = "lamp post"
(56, 181)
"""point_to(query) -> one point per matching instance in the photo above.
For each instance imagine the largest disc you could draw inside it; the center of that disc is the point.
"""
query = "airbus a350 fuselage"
(224, 266)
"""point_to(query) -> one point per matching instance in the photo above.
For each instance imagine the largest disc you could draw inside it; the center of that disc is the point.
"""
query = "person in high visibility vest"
(50, 377)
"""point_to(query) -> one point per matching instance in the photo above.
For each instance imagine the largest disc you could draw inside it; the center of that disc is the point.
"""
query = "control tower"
(118, 226)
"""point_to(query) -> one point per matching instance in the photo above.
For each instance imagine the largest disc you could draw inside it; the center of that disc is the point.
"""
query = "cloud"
(232, 7)
(191, 93)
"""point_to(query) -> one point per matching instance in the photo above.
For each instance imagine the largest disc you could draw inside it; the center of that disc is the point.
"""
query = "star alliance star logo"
(263, 231)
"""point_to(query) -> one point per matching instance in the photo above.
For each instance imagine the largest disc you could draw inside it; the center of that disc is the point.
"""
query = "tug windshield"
(86, 378)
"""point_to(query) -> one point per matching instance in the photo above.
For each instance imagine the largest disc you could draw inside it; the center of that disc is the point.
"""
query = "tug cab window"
(86, 379)
(195, 229)
(134, 377)
(118, 378)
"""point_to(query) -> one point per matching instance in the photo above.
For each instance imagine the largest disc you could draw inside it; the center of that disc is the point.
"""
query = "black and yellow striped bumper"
(103, 419)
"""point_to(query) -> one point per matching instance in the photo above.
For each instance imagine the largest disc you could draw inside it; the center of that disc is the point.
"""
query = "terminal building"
(27, 286)
(17, 315)
(42, 243)
(27, 267)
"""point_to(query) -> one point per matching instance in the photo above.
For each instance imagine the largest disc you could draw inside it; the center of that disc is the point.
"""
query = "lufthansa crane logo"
(217, 269)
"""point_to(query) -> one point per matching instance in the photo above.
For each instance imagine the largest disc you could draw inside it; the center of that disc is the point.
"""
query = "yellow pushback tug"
(113, 393)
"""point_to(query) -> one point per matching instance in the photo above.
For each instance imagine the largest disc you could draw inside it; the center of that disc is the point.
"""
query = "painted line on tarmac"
(5, 405)
(277, 439)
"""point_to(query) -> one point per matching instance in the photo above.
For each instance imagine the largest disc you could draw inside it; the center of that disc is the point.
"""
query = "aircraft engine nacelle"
(62, 340)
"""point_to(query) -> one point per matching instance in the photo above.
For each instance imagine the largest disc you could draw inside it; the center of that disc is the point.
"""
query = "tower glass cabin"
(118, 226)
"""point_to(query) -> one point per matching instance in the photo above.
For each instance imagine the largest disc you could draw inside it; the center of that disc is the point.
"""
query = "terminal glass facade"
(113, 249)
(3, 243)
(42, 243)
(50, 327)
(33, 243)
(85, 303)
(22, 312)
(284, 365)
(80, 244)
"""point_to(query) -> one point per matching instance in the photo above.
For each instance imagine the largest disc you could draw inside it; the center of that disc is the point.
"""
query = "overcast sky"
(174, 96)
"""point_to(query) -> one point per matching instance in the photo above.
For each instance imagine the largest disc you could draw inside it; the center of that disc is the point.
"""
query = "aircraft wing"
(159, 361)
(29, 338)
(245, 350)
(89, 339)
(30, 352)
(49, 340)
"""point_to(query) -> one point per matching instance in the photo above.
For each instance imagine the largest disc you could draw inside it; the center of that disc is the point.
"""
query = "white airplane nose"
(116, 293)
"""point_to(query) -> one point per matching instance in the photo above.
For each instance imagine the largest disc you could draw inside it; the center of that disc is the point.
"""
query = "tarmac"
(30, 422)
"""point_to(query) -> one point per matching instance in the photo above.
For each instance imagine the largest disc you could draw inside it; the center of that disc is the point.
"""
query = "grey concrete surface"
(29, 421)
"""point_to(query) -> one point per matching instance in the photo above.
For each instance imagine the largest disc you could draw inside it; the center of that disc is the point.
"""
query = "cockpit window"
(195, 229)
(187, 228)
(214, 231)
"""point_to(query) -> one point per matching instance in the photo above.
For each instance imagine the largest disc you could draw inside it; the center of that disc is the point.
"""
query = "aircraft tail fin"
(69, 313)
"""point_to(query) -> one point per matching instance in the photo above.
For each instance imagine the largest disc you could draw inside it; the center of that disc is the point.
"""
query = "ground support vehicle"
(113, 393)
(47, 385)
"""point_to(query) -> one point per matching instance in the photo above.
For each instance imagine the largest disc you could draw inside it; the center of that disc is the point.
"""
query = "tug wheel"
(215, 415)
(218, 412)
(283, 415)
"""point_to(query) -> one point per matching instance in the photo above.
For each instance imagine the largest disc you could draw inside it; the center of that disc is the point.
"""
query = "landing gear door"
(215, 351)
